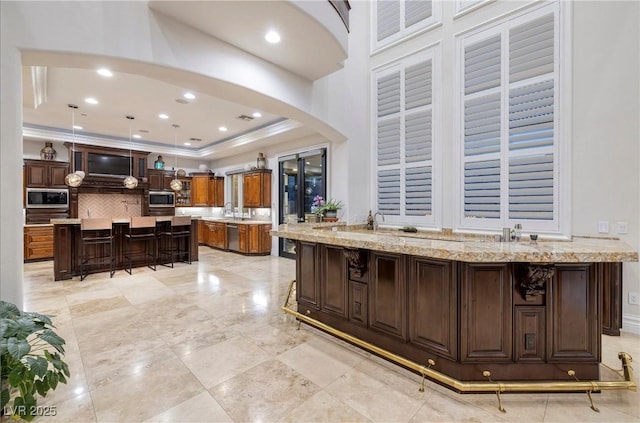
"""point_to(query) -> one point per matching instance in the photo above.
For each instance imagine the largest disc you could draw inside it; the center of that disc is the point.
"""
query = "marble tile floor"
(207, 342)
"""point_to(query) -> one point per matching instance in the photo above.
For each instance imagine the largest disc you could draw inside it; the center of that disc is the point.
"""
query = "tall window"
(404, 131)
(393, 20)
(508, 124)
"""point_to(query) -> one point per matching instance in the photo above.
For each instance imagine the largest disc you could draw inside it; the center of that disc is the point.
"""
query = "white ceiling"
(306, 49)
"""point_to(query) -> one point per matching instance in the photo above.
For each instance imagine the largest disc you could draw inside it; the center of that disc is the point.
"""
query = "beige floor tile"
(320, 360)
(151, 391)
(323, 408)
(224, 360)
(265, 393)
(200, 408)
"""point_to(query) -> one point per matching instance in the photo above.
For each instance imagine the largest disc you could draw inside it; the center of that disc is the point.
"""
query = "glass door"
(302, 177)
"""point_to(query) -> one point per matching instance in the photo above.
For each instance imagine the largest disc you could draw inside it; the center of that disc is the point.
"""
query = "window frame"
(560, 225)
(433, 221)
(420, 27)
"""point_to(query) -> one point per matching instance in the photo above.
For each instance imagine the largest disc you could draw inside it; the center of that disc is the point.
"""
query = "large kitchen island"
(468, 307)
(66, 245)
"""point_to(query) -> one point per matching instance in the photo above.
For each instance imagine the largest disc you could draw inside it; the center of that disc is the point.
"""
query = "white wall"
(606, 129)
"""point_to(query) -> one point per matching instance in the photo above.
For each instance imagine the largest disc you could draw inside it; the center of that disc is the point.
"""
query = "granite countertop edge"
(474, 249)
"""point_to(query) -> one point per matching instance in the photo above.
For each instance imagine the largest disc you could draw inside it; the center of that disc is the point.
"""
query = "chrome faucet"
(375, 219)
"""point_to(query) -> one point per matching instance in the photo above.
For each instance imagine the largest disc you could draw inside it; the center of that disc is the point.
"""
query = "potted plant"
(317, 206)
(31, 354)
(331, 207)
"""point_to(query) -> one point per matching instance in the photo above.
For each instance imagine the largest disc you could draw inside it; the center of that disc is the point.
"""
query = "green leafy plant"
(332, 205)
(31, 354)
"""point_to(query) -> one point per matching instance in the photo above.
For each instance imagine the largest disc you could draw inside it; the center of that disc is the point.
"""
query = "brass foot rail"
(490, 386)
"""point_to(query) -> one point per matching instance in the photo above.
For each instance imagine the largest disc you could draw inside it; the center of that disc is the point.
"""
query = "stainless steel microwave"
(47, 198)
(162, 199)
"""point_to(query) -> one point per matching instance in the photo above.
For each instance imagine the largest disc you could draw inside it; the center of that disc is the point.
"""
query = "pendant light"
(130, 181)
(73, 179)
(175, 184)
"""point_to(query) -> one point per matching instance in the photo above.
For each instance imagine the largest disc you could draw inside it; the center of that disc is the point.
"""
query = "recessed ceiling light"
(137, 136)
(105, 72)
(91, 100)
(187, 143)
(163, 116)
(222, 129)
(257, 114)
(77, 127)
(190, 96)
(272, 37)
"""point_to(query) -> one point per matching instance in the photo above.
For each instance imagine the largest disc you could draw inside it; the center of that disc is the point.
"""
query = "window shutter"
(482, 125)
(388, 22)
(389, 141)
(531, 187)
(531, 49)
(418, 191)
(482, 189)
(531, 116)
(389, 191)
(389, 94)
(482, 65)
(416, 11)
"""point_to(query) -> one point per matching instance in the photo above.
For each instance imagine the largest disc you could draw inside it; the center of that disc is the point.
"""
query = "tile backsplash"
(109, 205)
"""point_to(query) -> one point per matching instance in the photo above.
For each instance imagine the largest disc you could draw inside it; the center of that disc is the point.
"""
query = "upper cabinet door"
(256, 188)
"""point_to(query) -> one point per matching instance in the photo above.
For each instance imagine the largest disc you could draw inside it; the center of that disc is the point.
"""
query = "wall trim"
(631, 323)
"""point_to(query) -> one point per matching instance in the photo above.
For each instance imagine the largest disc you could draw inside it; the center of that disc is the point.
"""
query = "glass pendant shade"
(130, 182)
(73, 180)
(176, 184)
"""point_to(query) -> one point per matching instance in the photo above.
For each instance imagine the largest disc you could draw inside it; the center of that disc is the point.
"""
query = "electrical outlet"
(603, 227)
(634, 298)
(623, 227)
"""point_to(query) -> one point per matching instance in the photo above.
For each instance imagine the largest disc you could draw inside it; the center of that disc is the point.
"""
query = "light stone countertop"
(76, 221)
(459, 247)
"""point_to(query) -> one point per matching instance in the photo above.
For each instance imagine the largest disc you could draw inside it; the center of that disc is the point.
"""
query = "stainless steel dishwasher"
(232, 237)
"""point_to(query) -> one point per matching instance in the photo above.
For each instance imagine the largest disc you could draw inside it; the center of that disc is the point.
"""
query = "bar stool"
(176, 242)
(96, 245)
(141, 229)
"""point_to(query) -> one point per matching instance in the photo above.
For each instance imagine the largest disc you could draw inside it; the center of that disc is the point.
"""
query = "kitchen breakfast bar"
(67, 246)
(465, 310)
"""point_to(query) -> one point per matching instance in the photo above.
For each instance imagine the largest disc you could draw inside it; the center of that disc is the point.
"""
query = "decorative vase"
(181, 173)
(331, 213)
(47, 152)
(159, 163)
(261, 162)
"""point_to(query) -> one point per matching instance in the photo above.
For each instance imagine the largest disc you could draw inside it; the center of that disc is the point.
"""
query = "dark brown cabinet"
(468, 317)
(307, 284)
(433, 306)
(572, 314)
(45, 174)
(160, 180)
(256, 188)
(334, 281)
(486, 312)
(387, 294)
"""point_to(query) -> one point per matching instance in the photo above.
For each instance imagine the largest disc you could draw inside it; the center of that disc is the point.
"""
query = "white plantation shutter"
(393, 20)
(404, 139)
(388, 22)
(509, 141)
(416, 11)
